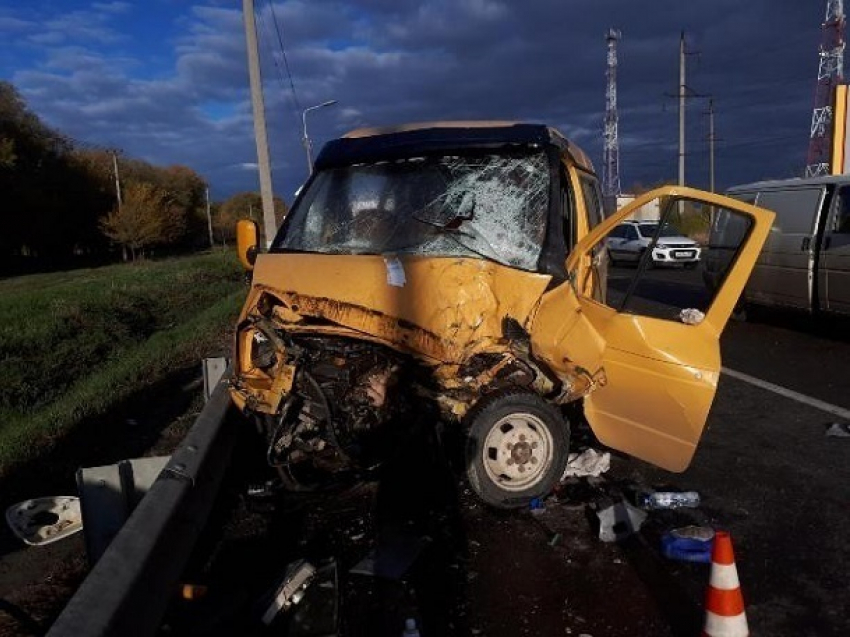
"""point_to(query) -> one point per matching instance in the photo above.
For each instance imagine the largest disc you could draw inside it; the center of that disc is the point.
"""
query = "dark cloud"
(390, 61)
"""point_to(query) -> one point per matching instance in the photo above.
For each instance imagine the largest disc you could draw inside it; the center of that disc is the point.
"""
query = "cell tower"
(830, 74)
(611, 148)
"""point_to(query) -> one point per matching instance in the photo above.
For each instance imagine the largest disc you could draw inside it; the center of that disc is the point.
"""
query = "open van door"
(658, 360)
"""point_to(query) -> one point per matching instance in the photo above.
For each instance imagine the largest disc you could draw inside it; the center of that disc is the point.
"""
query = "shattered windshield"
(491, 205)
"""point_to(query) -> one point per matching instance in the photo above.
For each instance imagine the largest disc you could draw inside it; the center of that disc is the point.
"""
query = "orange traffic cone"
(724, 604)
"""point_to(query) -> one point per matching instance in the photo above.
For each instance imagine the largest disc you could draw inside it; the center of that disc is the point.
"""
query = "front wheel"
(516, 448)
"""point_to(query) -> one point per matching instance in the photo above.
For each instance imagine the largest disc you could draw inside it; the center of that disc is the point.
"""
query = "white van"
(805, 263)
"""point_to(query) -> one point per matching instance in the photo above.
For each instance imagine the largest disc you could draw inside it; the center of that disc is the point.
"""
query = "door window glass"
(841, 225)
(746, 197)
(592, 199)
(675, 270)
(795, 209)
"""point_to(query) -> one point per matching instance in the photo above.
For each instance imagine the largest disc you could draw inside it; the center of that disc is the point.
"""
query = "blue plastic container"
(686, 549)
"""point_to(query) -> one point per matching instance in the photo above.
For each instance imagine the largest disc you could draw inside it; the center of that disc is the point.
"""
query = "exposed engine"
(340, 414)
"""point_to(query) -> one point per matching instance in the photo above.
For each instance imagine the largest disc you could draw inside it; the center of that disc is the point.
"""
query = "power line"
(283, 53)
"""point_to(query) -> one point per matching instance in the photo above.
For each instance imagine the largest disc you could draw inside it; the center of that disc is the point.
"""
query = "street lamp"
(305, 139)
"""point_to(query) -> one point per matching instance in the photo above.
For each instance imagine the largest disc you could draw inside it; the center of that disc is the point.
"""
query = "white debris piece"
(588, 463)
(41, 521)
(838, 430)
(618, 521)
(691, 316)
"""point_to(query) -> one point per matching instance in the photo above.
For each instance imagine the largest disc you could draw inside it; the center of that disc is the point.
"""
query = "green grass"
(74, 344)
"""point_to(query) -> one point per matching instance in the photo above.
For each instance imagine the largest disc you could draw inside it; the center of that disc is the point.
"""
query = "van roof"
(796, 182)
(376, 144)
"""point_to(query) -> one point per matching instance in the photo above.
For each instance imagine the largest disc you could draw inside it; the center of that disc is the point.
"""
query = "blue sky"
(166, 80)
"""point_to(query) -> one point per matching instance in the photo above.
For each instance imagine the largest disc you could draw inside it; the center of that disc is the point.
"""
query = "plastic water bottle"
(668, 499)
(410, 629)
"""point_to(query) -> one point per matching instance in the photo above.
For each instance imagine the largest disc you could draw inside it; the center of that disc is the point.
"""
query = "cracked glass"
(485, 205)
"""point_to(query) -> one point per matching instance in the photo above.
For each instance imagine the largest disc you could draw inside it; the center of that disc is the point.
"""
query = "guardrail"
(129, 589)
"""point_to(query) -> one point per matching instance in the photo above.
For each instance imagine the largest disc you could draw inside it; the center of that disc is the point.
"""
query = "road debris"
(668, 499)
(392, 558)
(537, 506)
(689, 544)
(578, 493)
(588, 463)
(291, 589)
(318, 611)
(618, 520)
(839, 430)
(410, 629)
(40, 521)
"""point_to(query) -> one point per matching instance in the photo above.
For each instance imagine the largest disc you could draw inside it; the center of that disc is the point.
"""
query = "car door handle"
(806, 243)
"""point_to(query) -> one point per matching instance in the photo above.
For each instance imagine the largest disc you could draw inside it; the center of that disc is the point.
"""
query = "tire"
(516, 449)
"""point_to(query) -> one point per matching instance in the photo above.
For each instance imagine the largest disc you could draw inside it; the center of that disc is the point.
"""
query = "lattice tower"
(830, 74)
(611, 147)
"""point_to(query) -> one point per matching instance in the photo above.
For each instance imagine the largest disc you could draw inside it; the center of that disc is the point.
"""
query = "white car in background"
(629, 241)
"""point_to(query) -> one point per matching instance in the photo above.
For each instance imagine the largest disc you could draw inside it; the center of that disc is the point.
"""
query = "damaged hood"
(445, 308)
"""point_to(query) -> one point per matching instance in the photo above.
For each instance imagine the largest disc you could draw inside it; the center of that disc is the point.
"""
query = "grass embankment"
(75, 344)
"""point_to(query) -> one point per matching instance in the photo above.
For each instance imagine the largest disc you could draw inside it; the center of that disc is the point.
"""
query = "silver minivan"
(805, 263)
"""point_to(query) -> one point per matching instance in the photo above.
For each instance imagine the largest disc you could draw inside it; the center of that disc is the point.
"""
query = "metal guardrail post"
(130, 587)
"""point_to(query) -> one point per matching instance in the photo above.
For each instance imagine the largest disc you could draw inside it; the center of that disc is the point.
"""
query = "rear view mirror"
(247, 242)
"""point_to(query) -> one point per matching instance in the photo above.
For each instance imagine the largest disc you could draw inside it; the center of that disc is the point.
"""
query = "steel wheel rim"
(517, 451)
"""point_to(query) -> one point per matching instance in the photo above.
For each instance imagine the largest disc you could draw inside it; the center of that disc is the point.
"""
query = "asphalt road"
(765, 470)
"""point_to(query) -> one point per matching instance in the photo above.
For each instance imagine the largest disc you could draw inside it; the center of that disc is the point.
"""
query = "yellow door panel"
(654, 403)
(565, 339)
(662, 373)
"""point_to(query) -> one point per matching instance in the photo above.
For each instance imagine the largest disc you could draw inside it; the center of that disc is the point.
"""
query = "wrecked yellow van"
(460, 270)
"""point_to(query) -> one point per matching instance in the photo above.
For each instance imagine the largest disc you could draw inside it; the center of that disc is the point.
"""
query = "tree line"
(65, 204)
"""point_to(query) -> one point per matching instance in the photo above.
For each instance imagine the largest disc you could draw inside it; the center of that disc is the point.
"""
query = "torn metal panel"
(447, 310)
(567, 341)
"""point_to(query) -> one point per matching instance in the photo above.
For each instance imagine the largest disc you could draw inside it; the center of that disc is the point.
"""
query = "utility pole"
(209, 219)
(118, 197)
(117, 179)
(263, 165)
(682, 97)
(683, 94)
(711, 140)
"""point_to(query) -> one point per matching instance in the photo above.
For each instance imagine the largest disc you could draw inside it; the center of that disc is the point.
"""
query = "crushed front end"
(403, 284)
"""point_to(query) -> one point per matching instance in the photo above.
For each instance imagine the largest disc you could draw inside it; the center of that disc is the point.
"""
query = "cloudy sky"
(166, 80)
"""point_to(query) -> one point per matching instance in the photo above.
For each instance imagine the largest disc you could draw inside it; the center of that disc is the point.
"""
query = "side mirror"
(247, 242)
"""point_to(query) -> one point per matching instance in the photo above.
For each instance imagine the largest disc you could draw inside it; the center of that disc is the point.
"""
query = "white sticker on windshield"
(395, 272)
